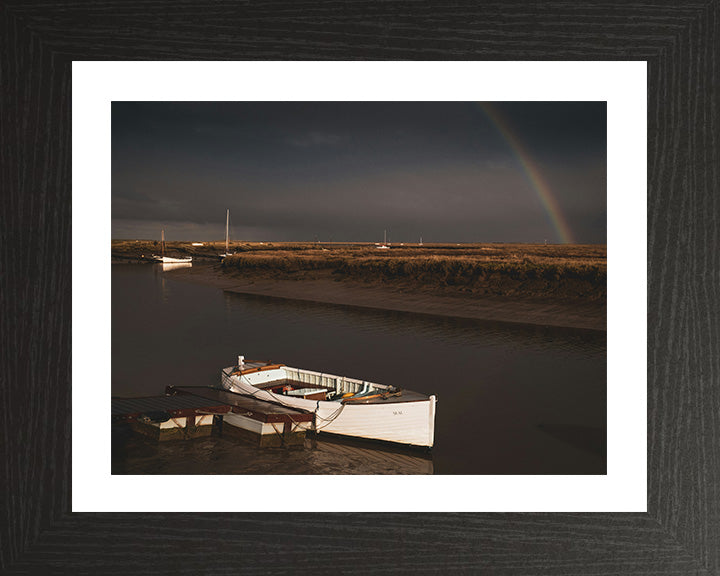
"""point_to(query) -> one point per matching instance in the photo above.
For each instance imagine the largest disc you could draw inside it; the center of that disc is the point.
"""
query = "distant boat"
(227, 236)
(344, 406)
(384, 245)
(169, 259)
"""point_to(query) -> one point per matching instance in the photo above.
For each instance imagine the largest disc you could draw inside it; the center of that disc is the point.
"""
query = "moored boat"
(169, 259)
(227, 237)
(341, 405)
(384, 245)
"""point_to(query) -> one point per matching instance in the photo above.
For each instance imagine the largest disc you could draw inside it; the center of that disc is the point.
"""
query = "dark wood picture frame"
(680, 533)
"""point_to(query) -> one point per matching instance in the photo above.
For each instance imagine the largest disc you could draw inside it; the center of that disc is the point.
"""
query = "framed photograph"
(653, 510)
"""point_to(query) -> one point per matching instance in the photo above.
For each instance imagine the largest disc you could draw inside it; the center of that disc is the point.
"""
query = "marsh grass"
(518, 269)
(524, 270)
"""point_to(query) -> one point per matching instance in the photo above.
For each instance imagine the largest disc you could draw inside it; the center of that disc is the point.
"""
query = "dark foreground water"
(512, 399)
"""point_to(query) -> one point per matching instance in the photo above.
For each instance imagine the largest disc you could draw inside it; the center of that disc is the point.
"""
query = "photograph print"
(359, 288)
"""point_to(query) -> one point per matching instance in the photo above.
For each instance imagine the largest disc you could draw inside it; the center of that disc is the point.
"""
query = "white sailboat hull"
(169, 260)
(392, 420)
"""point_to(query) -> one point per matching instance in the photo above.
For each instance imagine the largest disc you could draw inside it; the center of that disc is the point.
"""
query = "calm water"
(511, 399)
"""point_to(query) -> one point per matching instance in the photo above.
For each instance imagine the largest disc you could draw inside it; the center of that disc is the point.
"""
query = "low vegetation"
(577, 272)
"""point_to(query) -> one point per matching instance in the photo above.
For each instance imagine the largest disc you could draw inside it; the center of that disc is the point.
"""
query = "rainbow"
(533, 174)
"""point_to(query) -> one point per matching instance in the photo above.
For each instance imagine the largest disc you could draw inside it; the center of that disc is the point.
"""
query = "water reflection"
(399, 323)
(167, 266)
(160, 269)
(132, 454)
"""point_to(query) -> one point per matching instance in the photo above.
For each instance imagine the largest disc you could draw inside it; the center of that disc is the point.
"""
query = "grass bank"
(568, 272)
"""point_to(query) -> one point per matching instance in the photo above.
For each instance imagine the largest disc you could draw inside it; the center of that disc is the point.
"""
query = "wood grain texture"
(681, 532)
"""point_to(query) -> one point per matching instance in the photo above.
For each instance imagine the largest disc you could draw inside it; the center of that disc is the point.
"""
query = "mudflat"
(324, 288)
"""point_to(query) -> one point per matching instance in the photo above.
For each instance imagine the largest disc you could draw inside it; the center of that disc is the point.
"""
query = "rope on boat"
(329, 420)
(297, 425)
(254, 394)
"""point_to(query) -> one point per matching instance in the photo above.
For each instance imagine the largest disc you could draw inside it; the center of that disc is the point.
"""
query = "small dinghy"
(342, 405)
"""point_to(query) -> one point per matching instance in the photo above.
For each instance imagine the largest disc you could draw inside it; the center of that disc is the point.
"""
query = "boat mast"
(227, 232)
(162, 242)
(385, 238)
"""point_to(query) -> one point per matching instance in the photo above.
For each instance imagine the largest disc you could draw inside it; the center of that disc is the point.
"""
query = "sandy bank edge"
(588, 316)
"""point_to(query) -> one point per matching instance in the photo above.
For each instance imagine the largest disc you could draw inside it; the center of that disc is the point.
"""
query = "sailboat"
(384, 245)
(227, 236)
(168, 259)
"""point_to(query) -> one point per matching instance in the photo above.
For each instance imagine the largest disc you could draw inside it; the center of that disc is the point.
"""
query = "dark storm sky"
(346, 171)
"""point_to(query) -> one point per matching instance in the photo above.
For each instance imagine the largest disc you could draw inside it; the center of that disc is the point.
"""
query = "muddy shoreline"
(324, 288)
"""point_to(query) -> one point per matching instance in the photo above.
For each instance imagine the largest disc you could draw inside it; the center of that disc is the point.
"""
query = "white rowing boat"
(341, 405)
